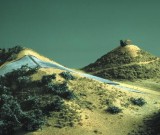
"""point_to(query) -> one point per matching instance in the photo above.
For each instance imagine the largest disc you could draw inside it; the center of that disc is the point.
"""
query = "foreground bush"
(10, 114)
(24, 103)
(32, 120)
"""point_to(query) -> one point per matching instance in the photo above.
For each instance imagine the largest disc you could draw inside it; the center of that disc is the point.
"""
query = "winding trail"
(125, 65)
(33, 61)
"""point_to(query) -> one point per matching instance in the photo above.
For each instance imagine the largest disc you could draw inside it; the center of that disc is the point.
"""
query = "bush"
(26, 70)
(60, 90)
(138, 101)
(20, 109)
(32, 102)
(67, 75)
(56, 105)
(9, 54)
(47, 78)
(5, 129)
(20, 76)
(1, 80)
(32, 120)
(10, 114)
(4, 90)
(131, 72)
(23, 81)
(113, 110)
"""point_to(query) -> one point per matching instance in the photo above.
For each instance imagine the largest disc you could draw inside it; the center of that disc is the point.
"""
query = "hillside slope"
(51, 101)
(126, 62)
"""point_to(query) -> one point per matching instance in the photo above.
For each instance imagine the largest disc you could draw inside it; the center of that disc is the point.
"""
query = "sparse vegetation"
(111, 59)
(131, 72)
(35, 101)
(88, 105)
(119, 65)
(66, 117)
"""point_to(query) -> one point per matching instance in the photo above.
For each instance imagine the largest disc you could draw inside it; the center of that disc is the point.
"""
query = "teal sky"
(77, 32)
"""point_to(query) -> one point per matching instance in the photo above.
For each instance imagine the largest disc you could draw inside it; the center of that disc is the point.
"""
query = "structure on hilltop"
(125, 42)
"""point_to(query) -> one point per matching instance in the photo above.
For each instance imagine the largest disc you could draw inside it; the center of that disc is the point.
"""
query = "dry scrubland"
(96, 108)
(90, 107)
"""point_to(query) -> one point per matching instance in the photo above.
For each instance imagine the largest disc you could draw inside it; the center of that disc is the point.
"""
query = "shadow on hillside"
(151, 126)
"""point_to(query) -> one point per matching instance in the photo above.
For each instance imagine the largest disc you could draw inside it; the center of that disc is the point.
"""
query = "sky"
(75, 33)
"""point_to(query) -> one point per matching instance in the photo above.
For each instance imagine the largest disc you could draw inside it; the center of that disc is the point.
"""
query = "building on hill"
(125, 42)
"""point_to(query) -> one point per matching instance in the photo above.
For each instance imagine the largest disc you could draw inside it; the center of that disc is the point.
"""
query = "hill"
(126, 62)
(48, 98)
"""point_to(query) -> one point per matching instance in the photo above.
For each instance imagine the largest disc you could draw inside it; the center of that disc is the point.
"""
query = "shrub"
(32, 120)
(10, 114)
(2, 80)
(131, 72)
(47, 78)
(25, 110)
(60, 90)
(67, 75)
(20, 76)
(4, 90)
(56, 105)
(26, 70)
(32, 102)
(138, 101)
(10, 54)
(23, 81)
(113, 109)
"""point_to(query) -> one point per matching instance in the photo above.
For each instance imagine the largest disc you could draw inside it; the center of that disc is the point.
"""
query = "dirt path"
(139, 63)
